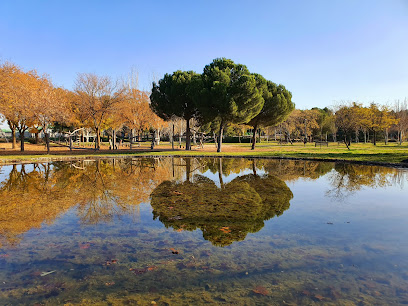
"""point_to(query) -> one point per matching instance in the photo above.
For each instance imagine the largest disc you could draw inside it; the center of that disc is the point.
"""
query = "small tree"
(17, 98)
(97, 97)
(346, 120)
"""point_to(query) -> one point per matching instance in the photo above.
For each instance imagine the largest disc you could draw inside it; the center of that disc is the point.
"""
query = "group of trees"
(28, 100)
(224, 99)
(31, 102)
(225, 93)
(350, 121)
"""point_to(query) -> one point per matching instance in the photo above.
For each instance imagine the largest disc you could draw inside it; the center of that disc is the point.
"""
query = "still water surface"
(190, 231)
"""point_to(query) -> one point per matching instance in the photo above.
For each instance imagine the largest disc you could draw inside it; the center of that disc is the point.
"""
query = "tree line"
(349, 120)
(225, 99)
(29, 101)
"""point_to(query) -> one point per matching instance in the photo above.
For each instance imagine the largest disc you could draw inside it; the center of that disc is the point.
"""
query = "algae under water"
(179, 231)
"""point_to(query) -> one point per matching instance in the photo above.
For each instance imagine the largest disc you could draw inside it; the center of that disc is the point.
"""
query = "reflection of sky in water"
(228, 178)
(379, 213)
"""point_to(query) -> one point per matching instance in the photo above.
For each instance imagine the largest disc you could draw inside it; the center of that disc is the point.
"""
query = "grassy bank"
(387, 154)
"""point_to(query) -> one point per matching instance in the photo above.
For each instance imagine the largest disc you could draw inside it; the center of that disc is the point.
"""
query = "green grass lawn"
(391, 153)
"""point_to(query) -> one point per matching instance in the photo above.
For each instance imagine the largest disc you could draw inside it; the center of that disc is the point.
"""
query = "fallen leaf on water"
(306, 292)
(151, 268)
(260, 290)
(111, 262)
(319, 297)
(179, 230)
(4, 255)
(177, 193)
(171, 207)
(174, 251)
(84, 246)
(109, 283)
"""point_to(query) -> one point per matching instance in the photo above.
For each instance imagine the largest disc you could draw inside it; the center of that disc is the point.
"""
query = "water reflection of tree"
(349, 178)
(224, 214)
(38, 193)
(101, 189)
(30, 198)
(289, 170)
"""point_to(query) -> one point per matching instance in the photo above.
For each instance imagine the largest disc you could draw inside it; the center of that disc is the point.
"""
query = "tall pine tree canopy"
(173, 96)
(230, 94)
(278, 105)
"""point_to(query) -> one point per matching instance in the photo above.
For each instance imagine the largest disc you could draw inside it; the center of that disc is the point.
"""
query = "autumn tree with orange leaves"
(96, 97)
(17, 97)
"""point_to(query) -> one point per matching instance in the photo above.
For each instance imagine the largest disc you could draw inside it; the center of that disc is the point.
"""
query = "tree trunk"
(220, 172)
(188, 140)
(386, 136)
(289, 139)
(254, 137)
(21, 139)
(157, 135)
(220, 137)
(346, 143)
(36, 141)
(180, 138)
(254, 167)
(374, 138)
(130, 138)
(202, 141)
(13, 138)
(188, 168)
(400, 137)
(215, 140)
(97, 141)
(172, 139)
(305, 132)
(259, 135)
(47, 142)
(113, 139)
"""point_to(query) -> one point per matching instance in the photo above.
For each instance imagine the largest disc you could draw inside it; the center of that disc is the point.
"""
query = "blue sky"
(322, 51)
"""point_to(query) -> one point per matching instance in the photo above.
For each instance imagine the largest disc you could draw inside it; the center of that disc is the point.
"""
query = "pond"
(180, 231)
